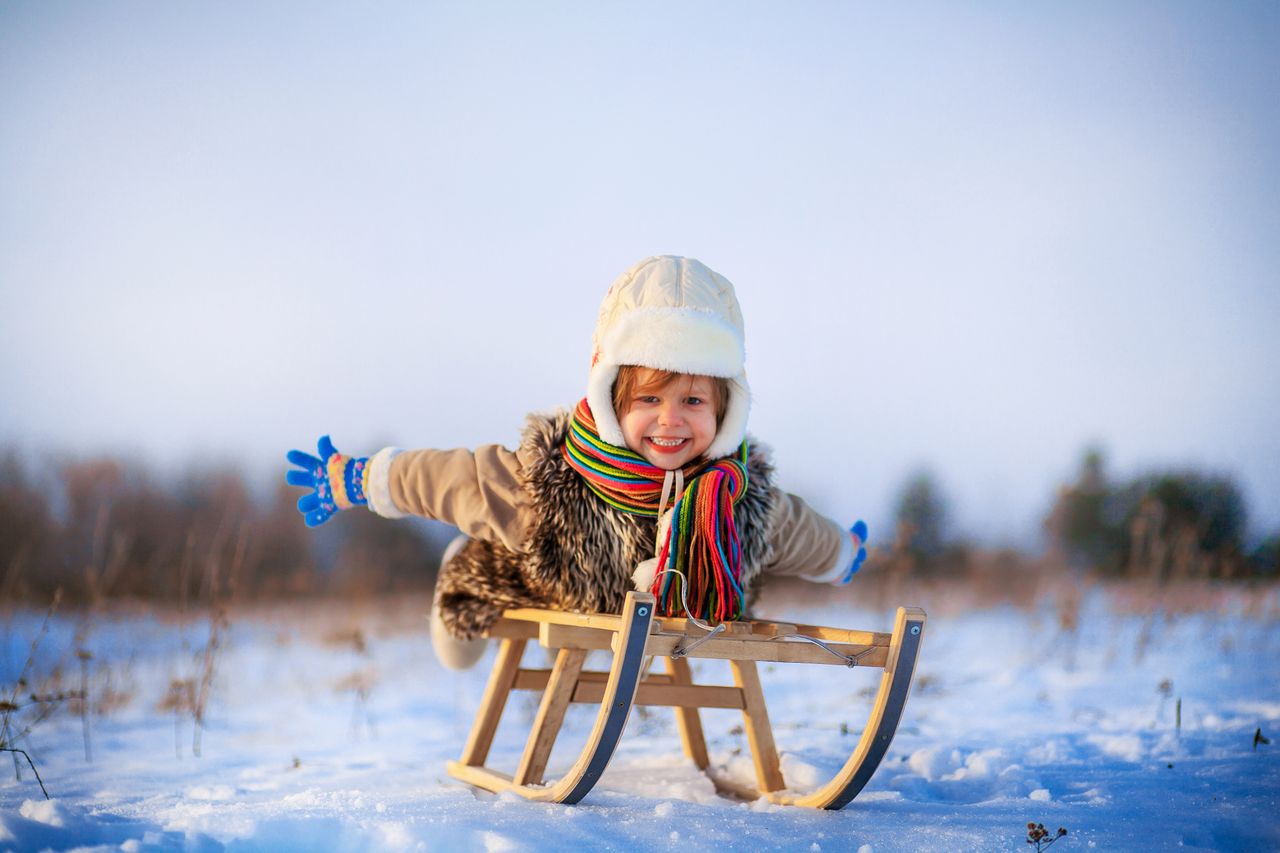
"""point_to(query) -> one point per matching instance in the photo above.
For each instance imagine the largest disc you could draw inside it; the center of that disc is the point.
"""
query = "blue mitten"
(859, 531)
(337, 482)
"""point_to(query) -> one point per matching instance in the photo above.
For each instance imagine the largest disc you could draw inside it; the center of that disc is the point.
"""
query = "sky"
(973, 239)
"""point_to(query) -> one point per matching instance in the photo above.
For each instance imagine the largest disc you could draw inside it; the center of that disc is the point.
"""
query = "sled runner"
(637, 639)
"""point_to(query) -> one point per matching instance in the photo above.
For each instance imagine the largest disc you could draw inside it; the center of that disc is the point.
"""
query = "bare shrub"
(25, 705)
(120, 533)
(1168, 525)
(27, 532)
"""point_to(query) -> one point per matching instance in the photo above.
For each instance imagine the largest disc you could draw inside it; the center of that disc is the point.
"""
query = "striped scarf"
(702, 540)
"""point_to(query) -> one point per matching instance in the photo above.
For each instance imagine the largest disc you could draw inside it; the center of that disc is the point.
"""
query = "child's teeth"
(667, 442)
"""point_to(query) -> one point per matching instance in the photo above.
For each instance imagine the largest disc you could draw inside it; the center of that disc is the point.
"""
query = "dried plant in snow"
(23, 709)
(1041, 837)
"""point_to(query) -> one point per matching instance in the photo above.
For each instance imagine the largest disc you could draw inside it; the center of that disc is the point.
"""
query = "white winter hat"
(676, 314)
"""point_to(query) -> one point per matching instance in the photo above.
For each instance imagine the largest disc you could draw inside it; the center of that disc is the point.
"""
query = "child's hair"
(633, 379)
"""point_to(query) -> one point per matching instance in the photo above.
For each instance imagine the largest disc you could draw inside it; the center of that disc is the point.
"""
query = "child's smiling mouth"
(667, 444)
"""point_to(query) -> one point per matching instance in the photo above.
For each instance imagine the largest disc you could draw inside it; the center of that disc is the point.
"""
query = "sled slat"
(506, 629)
(554, 636)
(481, 777)
(536, 679)
(653, 691)
(780, 651)
(603, 621)
(741, 647)
(763, 630)
(687, 696)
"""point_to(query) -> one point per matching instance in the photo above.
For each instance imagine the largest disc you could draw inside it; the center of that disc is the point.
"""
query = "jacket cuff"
(379, 493)
(844, 559)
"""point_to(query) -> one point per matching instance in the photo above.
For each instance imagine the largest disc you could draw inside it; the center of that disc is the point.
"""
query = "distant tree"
(1212, 507)
(1266, 557)
(112, 525)
(280, 557)
(922, 517)
(1165, 524)
(1185, 524)
(27, 535)
(1087, 522)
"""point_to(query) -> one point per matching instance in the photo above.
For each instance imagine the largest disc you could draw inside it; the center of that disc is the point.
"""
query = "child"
(651, 469)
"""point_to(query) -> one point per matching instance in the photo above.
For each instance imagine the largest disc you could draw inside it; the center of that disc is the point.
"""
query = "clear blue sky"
(973, 237)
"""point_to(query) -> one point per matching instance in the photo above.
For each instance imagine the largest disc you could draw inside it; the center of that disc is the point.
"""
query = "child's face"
(673, 424)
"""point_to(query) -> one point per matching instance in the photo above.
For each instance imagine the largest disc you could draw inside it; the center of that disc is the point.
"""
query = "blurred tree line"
(101, 528)
(1165, 525)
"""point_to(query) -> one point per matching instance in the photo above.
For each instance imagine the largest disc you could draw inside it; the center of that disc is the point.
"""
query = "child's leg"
(478, 580)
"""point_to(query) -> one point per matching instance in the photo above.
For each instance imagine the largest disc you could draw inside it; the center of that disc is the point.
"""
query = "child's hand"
(859, 535)
(337, 482)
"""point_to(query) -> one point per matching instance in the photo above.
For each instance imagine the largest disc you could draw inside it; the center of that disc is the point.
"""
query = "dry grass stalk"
(100, 572)
(11, 732)
(189, 696)
(362, 679)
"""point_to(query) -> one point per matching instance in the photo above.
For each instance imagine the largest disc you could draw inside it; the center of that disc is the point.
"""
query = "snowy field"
(1129, 720)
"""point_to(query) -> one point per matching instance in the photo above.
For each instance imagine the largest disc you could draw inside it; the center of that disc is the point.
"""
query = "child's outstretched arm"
(811, 546)
(477, 491)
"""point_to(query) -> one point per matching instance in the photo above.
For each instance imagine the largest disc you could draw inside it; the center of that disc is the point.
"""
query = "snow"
(328, 728)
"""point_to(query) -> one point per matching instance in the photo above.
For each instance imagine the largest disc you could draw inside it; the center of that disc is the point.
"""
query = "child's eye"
(647, 398)
(695, 401)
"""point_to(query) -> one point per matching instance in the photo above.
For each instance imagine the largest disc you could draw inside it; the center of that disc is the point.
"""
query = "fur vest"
(579, 552)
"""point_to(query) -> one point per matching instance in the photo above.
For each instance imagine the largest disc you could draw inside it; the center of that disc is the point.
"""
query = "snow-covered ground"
(1133, 727)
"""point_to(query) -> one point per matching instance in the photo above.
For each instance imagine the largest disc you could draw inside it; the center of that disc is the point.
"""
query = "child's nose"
(669, 414)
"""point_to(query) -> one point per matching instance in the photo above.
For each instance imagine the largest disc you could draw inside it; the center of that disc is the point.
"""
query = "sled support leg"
(891, 698)
(626, 634)
(555, 701)
(690, 723)
(501, 680)
(755, 721)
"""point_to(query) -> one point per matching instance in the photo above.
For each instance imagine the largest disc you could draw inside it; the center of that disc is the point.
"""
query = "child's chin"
(666, 463)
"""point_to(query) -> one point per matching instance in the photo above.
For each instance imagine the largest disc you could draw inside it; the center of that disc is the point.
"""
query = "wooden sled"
(635, 636)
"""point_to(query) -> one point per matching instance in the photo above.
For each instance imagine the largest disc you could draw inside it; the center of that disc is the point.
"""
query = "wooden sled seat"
(636, 639)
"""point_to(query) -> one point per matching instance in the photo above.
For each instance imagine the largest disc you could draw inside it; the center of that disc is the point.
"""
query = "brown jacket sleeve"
(807, 544)
(477, 491)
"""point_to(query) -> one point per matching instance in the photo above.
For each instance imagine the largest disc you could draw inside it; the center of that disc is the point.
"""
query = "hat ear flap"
(600, 400)
(733, 429)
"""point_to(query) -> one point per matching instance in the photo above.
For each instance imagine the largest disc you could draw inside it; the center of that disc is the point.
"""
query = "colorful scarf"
(702, 541)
